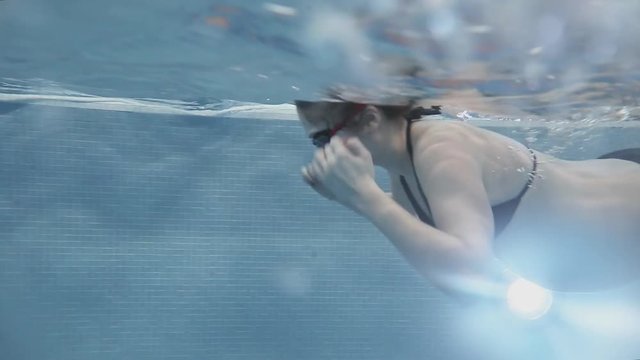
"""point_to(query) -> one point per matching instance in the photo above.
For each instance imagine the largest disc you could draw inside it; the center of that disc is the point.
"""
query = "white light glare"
(528, 300)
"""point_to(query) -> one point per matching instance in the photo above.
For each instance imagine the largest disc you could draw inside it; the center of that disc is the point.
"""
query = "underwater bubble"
(293, 281)
(336, 40)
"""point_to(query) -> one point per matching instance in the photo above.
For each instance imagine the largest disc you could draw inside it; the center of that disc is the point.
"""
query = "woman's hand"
(342, 171)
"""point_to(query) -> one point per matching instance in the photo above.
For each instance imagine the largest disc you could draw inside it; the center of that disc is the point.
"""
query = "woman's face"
(323, 120)
(312, 119)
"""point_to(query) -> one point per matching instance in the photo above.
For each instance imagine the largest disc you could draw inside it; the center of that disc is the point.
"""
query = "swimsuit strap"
(422, 215)
(503, 213)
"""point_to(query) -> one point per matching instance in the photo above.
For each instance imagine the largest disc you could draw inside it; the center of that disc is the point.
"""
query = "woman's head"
(373, 117)
(322, 119)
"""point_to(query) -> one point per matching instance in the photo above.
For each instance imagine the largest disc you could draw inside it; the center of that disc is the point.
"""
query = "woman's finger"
(307, 177)
(318, 155)
(329, 153)
(319, 161)
(336, 145)
(315, 171)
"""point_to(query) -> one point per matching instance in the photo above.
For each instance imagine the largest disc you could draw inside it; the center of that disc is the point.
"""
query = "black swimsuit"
(502, 213)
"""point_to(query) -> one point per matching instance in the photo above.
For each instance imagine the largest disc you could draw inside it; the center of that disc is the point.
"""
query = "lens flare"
(528, 300)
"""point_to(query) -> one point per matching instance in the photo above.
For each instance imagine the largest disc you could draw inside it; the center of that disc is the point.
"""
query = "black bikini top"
(502, 213)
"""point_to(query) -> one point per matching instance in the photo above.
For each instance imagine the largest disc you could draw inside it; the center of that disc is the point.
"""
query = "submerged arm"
(457, 256)
(440, 257)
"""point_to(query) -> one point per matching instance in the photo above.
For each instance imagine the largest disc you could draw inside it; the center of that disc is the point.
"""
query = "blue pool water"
(151, 205)
(137, 236)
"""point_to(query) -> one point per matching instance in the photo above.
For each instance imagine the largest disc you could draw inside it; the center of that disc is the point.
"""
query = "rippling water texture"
(569, 58)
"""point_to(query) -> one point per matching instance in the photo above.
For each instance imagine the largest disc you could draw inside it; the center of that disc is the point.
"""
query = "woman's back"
(577, 224)
(506, 163)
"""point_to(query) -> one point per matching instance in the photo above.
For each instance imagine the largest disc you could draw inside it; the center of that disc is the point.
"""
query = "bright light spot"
(528, 300)
(464, 116)
(444, 25)
(479, 29)
(280, 9)
(536, 50)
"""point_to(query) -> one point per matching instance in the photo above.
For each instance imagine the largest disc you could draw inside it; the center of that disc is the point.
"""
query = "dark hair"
(391, 108)
(393, 105)
(341, 101)
(395, 111)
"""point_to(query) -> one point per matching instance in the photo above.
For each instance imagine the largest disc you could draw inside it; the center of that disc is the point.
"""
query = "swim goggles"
(322, 138)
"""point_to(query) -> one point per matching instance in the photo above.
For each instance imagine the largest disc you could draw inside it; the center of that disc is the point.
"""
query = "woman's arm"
(457, 257)
(455, 266)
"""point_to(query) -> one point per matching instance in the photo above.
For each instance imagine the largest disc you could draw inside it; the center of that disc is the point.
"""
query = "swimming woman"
(469, 205)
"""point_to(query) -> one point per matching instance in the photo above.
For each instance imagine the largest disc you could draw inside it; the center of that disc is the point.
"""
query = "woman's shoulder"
(451, 132)
(444, 138)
